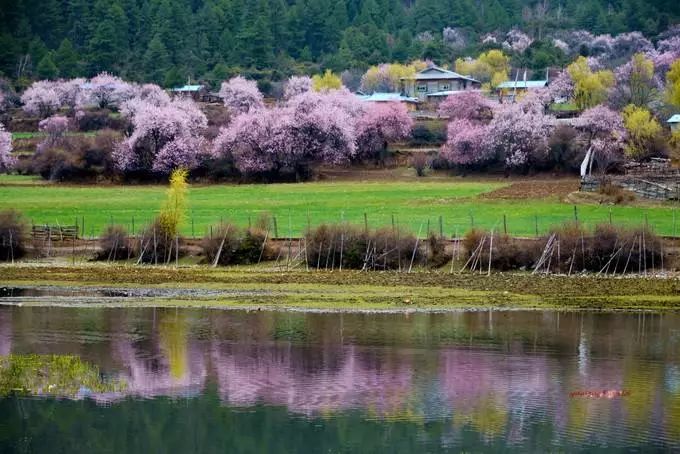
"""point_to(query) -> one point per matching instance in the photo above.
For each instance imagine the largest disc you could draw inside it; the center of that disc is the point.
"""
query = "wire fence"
(293, 224)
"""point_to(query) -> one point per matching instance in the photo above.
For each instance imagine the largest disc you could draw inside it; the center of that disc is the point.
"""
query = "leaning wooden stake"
(219, 251)
(415, 248)
(488, 273)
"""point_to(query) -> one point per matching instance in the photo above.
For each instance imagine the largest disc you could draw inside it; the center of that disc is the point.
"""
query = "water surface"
(173, 380)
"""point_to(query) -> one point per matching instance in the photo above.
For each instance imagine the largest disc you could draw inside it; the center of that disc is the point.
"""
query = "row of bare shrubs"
(570, 248)
(344, 246)
(226, 244)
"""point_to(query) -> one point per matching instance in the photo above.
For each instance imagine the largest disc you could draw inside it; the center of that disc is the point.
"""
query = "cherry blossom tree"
(241, 95)
(7, 161)
(454, 37)
(325, 132)
(381, 124)
(519, 133)
(146, 94)
(55, 126)
(311, 127)
(297, 85)
(68, 91)
(184, 151)
(342, 99)
(562, 87)
(602, 129)
(160, 136)
(105, 91)
(42, 99)
(467, 144)
(258, 141)
(517, 41)
(469, 105)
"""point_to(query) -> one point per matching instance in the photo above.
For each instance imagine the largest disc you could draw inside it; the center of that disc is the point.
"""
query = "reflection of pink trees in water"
(281, 375)
(5, 333)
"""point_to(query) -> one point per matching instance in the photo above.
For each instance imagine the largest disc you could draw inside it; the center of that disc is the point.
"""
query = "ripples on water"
(202, 380)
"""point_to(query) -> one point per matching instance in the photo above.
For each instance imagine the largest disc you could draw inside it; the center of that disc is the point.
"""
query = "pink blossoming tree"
(55, 126)
(311, 127)
(468, 105)
(519, 133)
(241, 95)
(466, 144)
(602, 129)
(163, 137)
(297, 85)
(382, 123)
(105, 91)
(7, 161)
(42, 99)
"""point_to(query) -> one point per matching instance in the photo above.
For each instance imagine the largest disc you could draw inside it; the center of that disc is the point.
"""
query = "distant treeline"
(166, 41)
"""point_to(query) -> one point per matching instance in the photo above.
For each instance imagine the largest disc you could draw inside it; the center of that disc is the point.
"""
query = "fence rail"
(54, 232)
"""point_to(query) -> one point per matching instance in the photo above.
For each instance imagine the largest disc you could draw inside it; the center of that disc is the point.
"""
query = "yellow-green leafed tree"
(173, 210)
(327, 81)
(642, 128)
(673, 84)
(492, 67)
(387, 77)
(590, 87)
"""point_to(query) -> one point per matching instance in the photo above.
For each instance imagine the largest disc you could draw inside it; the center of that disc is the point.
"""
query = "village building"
(409, 102)
(198, 93)
(674, 123)
(435, 83)
(509, 89)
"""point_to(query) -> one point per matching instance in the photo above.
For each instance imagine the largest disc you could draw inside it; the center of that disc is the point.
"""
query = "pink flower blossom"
(297, 85)
(467, 144)
(154, 128)
(42, 98)
(55, 126)
(7, 161)
(602, 129)
(380, 124)
(184, 151)
(241, 95)
(469, 105)
(519, 133)
(517, 41)
(105, 91)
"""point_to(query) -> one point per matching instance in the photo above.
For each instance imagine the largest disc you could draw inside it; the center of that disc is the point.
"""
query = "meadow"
(414, 205)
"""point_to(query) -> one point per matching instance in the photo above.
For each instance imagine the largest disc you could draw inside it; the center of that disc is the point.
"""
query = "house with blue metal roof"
(674, 122)
(410, 102)
(523, 85)
(436, 80)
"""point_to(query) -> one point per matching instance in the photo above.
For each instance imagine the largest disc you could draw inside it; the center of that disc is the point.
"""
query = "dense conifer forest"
(168, 41)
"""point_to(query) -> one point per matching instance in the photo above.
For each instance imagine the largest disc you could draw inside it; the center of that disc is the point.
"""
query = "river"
(199, 380)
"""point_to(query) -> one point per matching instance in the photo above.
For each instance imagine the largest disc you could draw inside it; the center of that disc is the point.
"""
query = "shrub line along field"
(413, 205)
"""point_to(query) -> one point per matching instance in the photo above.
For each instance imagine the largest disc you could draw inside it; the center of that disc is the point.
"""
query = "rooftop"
(523, 84)
(387, 97)
(449, 92)
(437, 73)
(674, 119)
(189, 88)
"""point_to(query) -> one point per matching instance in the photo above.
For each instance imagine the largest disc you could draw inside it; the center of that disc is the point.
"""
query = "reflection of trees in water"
(493, 373)
(5, 332)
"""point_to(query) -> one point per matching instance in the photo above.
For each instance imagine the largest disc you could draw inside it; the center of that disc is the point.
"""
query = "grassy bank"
(359, 291)
(414, 205)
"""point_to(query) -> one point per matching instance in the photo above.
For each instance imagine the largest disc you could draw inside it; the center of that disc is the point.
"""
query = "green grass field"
(412, 203)
(38, 134)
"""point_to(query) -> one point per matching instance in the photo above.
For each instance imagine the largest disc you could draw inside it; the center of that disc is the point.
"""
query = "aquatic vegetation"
(52, 375)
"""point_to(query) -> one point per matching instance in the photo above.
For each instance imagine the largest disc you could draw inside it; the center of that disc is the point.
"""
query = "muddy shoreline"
(242, 287)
